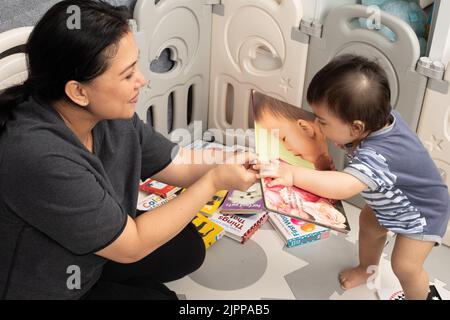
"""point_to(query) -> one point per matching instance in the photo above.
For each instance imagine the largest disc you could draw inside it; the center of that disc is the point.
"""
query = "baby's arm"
(327, 184)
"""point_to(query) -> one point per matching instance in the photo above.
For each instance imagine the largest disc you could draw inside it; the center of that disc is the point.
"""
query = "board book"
(275, 143)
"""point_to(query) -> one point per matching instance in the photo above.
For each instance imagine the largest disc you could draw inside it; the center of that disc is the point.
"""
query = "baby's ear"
(358, 127)
(307, 127)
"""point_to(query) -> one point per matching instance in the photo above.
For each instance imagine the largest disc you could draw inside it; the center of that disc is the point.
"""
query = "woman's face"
(297, 136)
(114, 94)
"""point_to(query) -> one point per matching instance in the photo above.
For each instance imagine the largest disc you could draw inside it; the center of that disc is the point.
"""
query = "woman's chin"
(131, 110)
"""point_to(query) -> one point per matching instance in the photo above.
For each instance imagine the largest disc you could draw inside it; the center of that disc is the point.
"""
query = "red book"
(240, 227)
(159, 188)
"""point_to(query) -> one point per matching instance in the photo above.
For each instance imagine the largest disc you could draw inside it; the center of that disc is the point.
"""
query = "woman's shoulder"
(28, 140)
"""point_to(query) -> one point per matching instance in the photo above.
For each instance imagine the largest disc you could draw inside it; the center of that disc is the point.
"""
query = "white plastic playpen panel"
(434, 124)
(434, 131)
(399, 58)
(252, 49)
(13, 67)
(184, 28)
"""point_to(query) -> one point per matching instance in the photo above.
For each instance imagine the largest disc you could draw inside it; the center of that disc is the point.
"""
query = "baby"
(388, 166)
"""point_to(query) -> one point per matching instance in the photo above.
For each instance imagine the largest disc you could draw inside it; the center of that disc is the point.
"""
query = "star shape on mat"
(272, 283)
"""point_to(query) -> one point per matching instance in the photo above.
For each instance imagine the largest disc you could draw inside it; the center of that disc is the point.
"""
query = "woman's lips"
(135, 99)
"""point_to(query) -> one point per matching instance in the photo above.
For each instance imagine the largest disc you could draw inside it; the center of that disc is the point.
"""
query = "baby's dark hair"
(353, 88)
(263, 104)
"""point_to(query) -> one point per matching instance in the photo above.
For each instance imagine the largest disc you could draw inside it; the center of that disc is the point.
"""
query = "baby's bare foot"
(353, 277)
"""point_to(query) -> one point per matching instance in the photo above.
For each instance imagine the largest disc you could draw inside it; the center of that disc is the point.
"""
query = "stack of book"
(159, 188)
(240, 214)
(243, 202)
(151, 202)
(161, 193)
(240, 227)
(209, 231)
(296, 232)
(213, 205)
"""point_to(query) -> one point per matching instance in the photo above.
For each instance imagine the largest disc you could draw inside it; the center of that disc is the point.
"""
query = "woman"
(72, 151)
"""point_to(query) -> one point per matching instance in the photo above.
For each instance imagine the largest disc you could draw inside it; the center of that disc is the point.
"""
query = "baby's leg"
(372, 238)
(407, 263)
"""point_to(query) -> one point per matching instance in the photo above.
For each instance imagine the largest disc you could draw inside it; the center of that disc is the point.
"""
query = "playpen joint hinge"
(312, 28)
(217, 6)
(307, 29)
(434, 71)
(133, 25)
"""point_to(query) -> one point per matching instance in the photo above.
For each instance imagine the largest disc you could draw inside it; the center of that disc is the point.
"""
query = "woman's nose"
(141, 79)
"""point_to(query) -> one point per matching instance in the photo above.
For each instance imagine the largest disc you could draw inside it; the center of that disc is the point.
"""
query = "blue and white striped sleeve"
(371, 168)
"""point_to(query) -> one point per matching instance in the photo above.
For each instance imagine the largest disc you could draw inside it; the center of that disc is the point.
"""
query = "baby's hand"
(280, 172)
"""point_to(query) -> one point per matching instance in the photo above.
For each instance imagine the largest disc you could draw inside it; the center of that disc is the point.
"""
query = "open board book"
(302, 145)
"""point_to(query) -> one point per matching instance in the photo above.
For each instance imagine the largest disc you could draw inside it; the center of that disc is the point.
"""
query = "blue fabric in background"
(407, 10)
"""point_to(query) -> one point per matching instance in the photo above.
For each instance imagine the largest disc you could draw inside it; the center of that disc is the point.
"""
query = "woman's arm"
(154, 228)
(190, 165)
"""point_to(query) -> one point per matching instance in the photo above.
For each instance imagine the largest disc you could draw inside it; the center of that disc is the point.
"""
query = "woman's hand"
(236, 173)
(281, 172)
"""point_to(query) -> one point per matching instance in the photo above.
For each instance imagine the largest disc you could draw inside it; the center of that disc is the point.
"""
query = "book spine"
(254, 228)
(281, 227)
(278, 231)
(305, 239)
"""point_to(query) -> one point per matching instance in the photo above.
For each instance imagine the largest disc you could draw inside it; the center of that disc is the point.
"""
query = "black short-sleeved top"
(59, 203)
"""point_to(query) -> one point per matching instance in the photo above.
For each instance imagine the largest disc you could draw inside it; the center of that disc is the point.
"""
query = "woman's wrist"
(212, 178)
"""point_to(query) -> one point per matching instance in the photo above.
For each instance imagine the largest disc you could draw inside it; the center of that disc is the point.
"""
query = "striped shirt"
(405, 189)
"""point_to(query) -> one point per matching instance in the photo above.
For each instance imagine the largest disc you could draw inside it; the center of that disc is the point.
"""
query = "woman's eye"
(129, 76)
(283, 139)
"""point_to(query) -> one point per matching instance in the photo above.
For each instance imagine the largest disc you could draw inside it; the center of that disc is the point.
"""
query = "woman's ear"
(307, 127)
(358, 128)
(77, 93)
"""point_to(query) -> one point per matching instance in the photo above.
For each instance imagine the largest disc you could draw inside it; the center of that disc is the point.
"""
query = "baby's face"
(294, 138)
(333, 127)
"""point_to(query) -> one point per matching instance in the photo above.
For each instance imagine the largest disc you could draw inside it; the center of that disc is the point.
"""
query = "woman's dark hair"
(266, 105)
(60, 50)
(353, 88)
